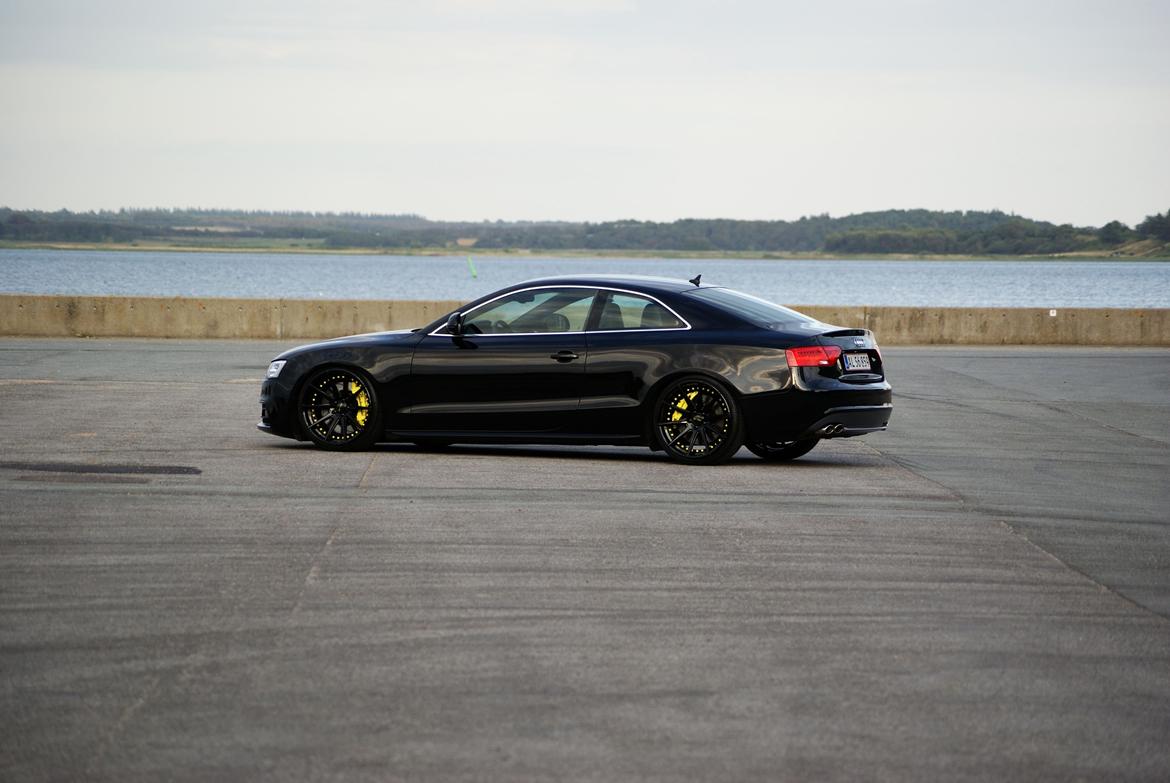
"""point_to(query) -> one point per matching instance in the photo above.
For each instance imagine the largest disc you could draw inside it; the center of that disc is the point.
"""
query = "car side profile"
(693, 370)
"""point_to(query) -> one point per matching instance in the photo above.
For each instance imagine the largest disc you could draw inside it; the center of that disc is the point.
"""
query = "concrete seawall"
(122, 316)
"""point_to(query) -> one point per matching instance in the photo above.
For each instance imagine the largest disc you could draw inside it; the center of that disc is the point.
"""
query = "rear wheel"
(339, 410)
(696, 421)
(782, 451)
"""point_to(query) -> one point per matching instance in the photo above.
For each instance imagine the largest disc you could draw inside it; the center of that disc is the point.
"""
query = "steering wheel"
(500, 326)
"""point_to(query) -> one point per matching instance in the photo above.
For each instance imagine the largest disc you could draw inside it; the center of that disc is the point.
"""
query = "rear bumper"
(849, 421)
(796, 414)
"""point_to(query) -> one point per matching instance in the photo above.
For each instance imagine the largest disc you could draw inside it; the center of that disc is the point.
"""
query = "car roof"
(646, 283)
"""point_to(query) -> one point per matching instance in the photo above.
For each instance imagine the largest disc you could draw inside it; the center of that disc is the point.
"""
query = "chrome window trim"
(671, 310)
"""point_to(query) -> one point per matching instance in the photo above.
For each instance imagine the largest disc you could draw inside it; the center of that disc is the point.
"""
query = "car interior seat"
(655, 316)
(611, 317)
(556, 322)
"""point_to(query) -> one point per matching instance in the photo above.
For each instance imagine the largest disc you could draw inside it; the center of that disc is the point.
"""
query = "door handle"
(564, 356)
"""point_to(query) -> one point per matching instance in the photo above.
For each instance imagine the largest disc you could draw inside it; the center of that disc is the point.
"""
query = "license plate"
(857, 361)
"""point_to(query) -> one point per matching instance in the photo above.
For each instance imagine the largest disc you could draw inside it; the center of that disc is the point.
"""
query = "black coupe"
(691, 369)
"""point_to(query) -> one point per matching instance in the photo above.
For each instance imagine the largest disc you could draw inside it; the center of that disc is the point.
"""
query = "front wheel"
(696, 421)
(782, 451)
(339, 410)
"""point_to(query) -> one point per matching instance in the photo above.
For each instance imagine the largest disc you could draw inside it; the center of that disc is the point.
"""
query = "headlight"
(274, 369)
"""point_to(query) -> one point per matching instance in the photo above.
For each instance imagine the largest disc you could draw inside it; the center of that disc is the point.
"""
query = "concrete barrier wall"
(1003, 325)
(127, 316)
(121, 316)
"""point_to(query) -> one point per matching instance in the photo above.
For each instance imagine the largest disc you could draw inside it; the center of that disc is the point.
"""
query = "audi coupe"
(690, 369)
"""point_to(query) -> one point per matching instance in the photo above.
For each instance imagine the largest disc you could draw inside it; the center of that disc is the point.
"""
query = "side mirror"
(455, 324)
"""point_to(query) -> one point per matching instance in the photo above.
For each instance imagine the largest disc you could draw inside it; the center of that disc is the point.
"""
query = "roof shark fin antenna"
(695, 280)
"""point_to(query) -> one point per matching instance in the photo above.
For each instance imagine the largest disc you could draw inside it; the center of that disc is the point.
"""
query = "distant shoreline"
(309, 248)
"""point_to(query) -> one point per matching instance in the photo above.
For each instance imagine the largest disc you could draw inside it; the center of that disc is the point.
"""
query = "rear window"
(751, 308)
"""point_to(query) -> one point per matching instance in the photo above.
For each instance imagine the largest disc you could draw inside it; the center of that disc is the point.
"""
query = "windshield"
(758, 311)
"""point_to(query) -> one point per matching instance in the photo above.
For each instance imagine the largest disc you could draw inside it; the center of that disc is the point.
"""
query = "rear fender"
(747, 369)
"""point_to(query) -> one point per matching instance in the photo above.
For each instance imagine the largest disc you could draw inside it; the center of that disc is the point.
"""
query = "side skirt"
(480, 436)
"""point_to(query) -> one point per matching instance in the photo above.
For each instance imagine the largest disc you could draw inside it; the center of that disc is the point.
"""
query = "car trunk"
(860, 360)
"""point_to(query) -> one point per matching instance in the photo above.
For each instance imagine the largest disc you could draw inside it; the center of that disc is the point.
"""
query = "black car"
(690, 369)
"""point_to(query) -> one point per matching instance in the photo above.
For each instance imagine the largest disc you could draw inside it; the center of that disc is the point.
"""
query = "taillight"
(813, 356)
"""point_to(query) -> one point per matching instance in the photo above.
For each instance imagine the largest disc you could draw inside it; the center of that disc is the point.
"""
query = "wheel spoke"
(675, 439)
(327, 392)
(696, 437)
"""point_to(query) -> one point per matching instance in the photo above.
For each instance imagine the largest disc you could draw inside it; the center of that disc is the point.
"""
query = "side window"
(630, 311)
(532, 312)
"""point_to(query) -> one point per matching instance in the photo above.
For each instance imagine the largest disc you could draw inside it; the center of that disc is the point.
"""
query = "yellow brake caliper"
(363, 401)
(681, 406)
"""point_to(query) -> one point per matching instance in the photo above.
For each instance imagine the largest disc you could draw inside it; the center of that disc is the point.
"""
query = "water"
(1020, 283)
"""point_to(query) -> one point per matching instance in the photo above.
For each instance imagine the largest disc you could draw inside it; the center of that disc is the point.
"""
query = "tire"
(696, 421)
(339, 410)
(783, 451)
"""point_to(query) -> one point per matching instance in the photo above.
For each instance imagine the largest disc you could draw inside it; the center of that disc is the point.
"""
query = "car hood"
(355, 340)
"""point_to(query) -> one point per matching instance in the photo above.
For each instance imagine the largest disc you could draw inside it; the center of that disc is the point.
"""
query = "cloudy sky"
(589, 109)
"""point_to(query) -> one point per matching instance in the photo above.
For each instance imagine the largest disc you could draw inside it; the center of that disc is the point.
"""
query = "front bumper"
(275, 410)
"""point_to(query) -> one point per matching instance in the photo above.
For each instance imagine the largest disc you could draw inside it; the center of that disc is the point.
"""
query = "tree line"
(915, 231)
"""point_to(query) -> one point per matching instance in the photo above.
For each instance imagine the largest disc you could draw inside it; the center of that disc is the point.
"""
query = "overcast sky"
(589, 109)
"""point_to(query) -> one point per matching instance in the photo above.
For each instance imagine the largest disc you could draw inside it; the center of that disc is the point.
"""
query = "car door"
(634, 340)
(518, 365)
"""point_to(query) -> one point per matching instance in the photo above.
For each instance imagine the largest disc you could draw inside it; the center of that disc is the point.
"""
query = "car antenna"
(695, 280)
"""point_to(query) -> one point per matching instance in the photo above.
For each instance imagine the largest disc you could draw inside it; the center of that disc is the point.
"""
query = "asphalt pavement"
(981, 593)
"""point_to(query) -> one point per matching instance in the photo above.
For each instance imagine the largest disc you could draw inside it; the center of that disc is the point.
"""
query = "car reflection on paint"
(690, 369)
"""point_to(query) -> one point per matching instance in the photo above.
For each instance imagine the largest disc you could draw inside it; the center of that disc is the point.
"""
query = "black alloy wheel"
(697, 422)
(339, 410)
(784, 450)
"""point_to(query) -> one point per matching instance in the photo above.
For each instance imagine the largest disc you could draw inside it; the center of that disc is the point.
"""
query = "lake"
(982, 283)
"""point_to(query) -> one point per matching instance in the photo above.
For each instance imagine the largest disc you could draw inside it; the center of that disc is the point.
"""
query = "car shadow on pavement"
(597, 453)
(743, 459)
